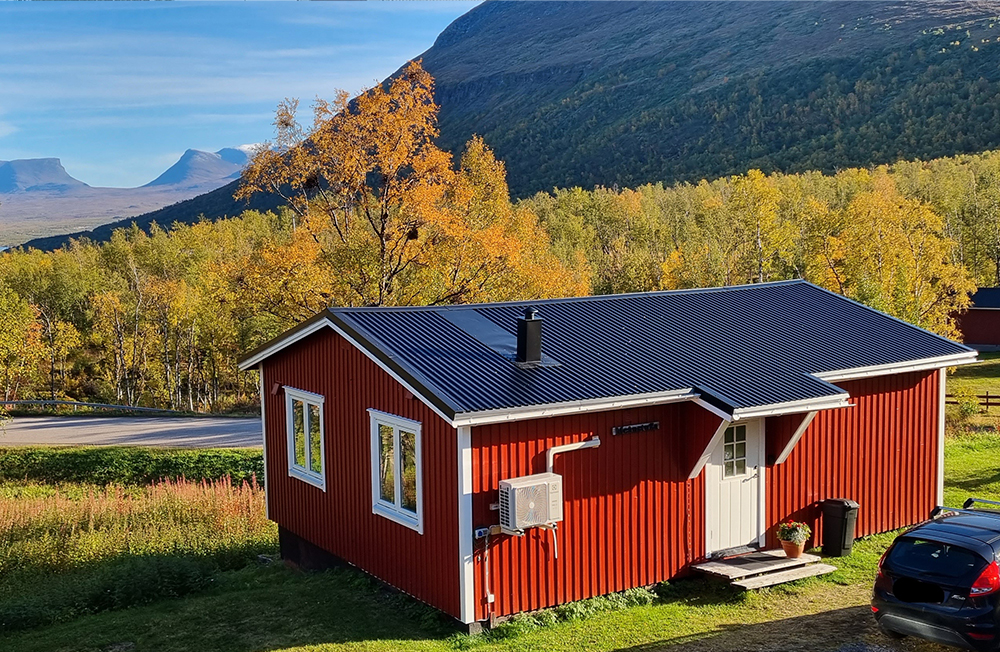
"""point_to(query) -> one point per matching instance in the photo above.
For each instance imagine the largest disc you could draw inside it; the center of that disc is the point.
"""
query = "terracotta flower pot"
(792, 550)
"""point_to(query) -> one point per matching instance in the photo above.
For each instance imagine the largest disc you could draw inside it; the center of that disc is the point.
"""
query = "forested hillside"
(620, 93)
(160, 318)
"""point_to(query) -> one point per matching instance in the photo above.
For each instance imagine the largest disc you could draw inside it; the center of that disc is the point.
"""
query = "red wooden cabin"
(678, 424)
(980, 324)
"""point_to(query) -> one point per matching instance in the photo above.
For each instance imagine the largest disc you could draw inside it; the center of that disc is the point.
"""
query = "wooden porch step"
(771, 579)
(756, 563)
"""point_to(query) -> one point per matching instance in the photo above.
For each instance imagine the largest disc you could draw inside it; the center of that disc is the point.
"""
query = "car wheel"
(891, 634)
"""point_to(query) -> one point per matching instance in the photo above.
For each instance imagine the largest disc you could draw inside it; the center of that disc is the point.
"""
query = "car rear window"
(933, 558)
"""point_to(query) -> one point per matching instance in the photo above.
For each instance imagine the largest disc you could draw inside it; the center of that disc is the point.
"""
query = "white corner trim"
(966, 357)
(263, 433)
(796, 436)
(381, 507)
(486, 417)
(306, 398)
(942, 390)
(762, 485)
(466, 557)
(707, 453)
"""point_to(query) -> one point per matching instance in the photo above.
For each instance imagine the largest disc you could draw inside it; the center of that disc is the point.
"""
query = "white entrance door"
(734, 484)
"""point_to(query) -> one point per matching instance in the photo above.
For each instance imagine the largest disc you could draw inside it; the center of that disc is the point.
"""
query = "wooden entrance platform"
(757, 570)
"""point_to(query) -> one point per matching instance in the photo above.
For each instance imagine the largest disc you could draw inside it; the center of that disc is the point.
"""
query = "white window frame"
(294, 470)
(393, 511)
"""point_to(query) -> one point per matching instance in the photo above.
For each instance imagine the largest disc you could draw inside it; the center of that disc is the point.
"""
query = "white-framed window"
(397, 472)
(306, 446)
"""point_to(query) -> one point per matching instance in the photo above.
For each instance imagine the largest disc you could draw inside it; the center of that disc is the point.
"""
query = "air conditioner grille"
(530, 501)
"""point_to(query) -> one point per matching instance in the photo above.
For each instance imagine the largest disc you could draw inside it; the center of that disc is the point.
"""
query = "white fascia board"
(966, 357)
(486, 417)
(793, 407)
(283, 343)
(327, 323)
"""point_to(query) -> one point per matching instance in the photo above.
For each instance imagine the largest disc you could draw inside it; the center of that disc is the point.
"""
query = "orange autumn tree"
(384, 218)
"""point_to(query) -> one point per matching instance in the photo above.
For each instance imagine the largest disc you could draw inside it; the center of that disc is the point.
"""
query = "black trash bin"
(839, 518)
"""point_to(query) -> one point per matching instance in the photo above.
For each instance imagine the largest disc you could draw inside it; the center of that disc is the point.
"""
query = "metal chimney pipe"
(529, 336)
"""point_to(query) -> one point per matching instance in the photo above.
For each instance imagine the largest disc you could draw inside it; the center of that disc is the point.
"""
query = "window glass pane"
(729, 471)
(408, 462)
(299, 433)
(741, 433)
(387, 462)
(727, 452)
(741, 450)
(315, 457)
(729, 435)
(741, 467)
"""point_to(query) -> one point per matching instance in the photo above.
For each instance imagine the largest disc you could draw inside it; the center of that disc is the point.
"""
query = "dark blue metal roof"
(986, 298)
(739, 347)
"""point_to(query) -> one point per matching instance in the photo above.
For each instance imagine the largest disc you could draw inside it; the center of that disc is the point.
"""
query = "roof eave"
(506, 415)
(907, 366)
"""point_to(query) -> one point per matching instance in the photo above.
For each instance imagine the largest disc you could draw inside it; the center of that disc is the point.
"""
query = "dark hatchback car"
(940, 580)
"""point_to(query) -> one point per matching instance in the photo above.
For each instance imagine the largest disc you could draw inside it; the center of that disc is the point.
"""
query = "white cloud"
(6, 128)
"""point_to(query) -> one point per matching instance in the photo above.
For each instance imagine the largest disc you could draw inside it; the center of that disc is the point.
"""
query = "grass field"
(228, 602)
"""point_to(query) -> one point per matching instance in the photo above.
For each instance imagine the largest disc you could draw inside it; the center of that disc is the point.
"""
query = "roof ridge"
(581, 299)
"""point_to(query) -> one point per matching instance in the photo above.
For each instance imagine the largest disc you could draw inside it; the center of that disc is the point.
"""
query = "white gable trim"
(284, 342)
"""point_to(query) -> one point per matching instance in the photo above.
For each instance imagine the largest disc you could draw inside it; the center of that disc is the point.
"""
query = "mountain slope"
(197, 168)
(37, 174)
(38, 197)
(626, 93)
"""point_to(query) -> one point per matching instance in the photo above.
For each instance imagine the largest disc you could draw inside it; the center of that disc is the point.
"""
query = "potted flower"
(793, 536)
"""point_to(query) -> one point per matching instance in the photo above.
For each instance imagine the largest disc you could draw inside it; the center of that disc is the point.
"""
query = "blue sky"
(119, 90)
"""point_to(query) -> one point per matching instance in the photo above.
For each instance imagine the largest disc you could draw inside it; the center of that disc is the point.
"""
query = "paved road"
(132, 431)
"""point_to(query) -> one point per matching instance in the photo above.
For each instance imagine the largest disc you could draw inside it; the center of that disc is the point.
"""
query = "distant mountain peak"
(198, 168)
(36, 174)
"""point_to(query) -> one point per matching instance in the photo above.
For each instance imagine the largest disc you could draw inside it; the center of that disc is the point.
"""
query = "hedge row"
(130, 466)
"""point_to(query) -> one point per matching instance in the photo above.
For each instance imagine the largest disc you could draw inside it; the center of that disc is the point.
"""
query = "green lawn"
(274, 608)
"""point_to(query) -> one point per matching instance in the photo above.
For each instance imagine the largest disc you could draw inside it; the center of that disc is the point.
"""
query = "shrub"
(128, 466)
(117, 584)
(55, 530)
(968, 404)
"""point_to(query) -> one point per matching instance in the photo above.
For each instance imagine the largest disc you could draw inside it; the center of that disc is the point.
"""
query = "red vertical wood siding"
(340, 520)
(979, 326)
(631, 516)
(881, 453)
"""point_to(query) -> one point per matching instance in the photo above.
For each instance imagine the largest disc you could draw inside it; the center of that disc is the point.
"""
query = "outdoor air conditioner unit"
(530, 501)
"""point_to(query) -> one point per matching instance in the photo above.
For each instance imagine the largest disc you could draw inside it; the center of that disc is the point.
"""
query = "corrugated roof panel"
(756, 345)
(986, 298)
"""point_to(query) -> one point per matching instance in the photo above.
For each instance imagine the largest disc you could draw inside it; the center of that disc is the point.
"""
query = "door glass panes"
(315, 452)
(387, 464)
(299, 432)
(734, 456)
(408, 465)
